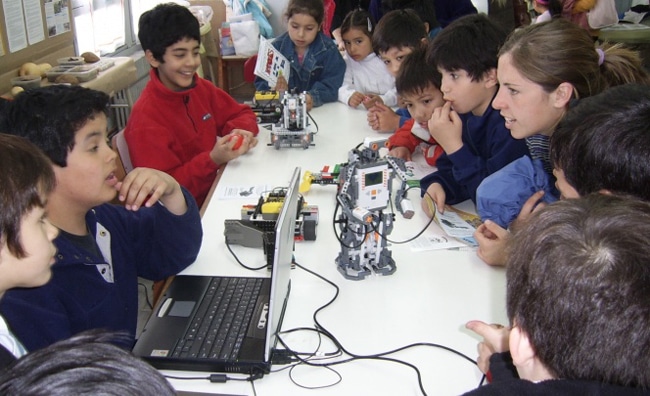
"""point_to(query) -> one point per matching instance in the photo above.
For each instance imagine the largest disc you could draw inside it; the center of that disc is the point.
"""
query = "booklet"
(271, 63)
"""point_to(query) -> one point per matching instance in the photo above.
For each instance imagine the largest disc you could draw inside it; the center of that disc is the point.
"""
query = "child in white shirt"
(366, 81)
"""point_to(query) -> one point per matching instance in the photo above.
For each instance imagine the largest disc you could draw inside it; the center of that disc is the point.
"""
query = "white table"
(428, 299)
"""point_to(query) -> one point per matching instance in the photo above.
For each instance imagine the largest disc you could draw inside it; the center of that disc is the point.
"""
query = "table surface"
(427, 300)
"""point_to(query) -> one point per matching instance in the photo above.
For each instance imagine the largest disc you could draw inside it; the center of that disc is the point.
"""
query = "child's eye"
(386, 62)
(426, 101)
(513, 91)
(399, 58)
(453, 75)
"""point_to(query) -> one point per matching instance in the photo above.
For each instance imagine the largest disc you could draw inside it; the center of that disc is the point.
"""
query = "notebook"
(169, 339)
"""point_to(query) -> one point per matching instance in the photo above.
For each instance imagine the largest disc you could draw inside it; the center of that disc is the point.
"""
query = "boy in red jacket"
(181, 124)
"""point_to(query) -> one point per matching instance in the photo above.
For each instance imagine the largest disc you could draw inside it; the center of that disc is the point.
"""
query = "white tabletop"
(428, 299)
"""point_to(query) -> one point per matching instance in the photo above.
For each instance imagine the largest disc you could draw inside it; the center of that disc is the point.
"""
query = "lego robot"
(365, 184)
(267, 107)
(293, 128)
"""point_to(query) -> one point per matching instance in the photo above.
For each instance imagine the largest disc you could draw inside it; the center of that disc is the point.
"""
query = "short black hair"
(50, 116)
(85, 364)
(398, 29)
(415, 74)
(165, 25)
(603, 142)
(424, 8)
(577, 286)
(469, 43)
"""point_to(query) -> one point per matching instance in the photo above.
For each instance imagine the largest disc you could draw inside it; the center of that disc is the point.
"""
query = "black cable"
(378, 356)
(240, 263)
(314, 121)
(146, 295)
(416, 235)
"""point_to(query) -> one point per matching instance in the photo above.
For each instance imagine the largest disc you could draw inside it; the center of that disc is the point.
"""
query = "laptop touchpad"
(182, 309)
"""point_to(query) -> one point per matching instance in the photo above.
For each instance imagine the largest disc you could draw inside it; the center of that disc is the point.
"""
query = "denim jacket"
(321, 73)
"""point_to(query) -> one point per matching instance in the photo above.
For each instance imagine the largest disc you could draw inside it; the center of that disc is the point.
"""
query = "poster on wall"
(15, 25)
(57, 17)
(34, 21)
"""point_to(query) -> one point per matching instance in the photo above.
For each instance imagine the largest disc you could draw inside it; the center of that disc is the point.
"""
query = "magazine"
(271, 63)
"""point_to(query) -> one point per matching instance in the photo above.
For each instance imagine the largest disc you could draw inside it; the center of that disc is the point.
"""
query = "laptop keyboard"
(219, 326)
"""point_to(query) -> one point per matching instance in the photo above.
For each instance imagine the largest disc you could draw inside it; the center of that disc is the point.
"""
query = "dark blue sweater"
(86, 292)
(487, 147)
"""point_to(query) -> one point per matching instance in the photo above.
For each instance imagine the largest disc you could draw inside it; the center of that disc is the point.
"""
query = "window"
(108, 26)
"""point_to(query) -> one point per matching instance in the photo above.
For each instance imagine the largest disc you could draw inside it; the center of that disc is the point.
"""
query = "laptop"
(183, 335)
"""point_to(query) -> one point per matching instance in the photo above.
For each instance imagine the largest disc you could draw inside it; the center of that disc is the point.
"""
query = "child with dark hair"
(85, 364)
(26, 235)
(366, 80)
(578, 302)
(418, 84)
(316, 64)
(102, 248)
(469, 130)
(602, 144)
(397, 34)
(424, 8)
(182, 124)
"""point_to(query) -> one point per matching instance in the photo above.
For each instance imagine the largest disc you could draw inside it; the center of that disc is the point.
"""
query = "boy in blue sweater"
(102, 248)
(471, 132)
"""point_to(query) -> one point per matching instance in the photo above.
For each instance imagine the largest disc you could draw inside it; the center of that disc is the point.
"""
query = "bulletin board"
(38, 31)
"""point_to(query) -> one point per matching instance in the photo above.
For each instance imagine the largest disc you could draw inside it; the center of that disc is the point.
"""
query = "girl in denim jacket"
(316, 63)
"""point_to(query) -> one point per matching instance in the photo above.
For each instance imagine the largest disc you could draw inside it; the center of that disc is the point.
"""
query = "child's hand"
(446, 127)
(224, 148)
(496, 339)
(531, 206)
(437, 194)
(400, 152)
(250, 140)
(382, 118)
(491, 239)
(356, 99)
(309, 101)
(281, 84)
(145, 186)
(370, 100)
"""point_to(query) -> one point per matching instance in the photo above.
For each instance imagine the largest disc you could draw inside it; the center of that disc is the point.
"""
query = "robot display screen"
(374, 178)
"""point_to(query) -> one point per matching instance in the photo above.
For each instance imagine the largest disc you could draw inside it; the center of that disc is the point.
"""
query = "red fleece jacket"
(175, 131)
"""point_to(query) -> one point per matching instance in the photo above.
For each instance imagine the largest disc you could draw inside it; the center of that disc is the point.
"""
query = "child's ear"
(523, 355)
(490, 78)
(563, 95)
(151, 59)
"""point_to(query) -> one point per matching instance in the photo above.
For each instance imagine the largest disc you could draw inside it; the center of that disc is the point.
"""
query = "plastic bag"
(603, 14)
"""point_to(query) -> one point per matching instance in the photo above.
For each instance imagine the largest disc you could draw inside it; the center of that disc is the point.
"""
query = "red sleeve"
(404, 138)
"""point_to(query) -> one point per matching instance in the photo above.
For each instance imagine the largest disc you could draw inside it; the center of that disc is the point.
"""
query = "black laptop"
(189, 331)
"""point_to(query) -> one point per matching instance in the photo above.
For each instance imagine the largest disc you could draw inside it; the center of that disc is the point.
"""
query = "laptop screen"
(281, 272)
